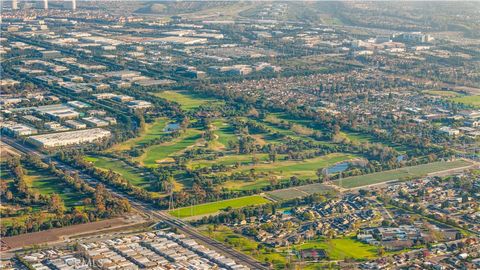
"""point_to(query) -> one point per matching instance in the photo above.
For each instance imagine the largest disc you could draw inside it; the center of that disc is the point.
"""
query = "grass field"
(342, 248)
(307, 167)
(283, 170)
(413, 171)
(151, 132)
(187, 101)
(230, 160)
(284, 132)
(5, 174)
(245, 245)
(157, 153)
(7, 177)
(365, 138)
(224, 132)
(299, 127)
(214, 207)
(118, 166)
(443, 93)
(468, 100)
(298, 192)
(45, 183)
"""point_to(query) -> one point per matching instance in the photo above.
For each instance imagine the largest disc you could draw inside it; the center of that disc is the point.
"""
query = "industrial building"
(75, 124)
(69, 138)
(95, 122)
(17, 129)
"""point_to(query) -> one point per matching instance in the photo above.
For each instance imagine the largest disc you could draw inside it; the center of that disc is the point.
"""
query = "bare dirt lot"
(57, 234)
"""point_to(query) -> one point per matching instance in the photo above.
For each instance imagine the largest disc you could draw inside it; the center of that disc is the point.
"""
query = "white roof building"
(70, 138)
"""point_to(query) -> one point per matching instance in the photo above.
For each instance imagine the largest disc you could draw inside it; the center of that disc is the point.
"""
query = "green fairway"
(152, 131)
(284, 132)
(214, 207)
(224, 133)
(117, 166)
(283, 170)
(305, 168)
(230, 160)
(342, 248)
(187, 101)
(468, 100)
(41, 181)
(398, 174)
(159, 153)
(299, 128)
(361, 138)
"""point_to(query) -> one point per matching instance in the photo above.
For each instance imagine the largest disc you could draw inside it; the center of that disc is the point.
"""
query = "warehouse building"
(58, 112)
(75, 124)
(70, 138)
(17, 129)
(95, 122)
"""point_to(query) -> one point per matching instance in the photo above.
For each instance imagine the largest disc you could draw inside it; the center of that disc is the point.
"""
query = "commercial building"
(150, 83)
(123, 98)
(16, 129)
(104, 95)
(55, 126)
(95, 122)
(78, 104)
(123, 74)
(230, 70)
(58, 112)
(139, 104)
(416, 37)
(75, 124)
(69, 138)
(51, 54)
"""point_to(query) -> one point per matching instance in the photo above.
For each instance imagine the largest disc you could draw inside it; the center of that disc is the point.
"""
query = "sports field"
(187, 101)
(152, 131)
(468, 100)
(399, 174)
(158, 153)
(214, 207)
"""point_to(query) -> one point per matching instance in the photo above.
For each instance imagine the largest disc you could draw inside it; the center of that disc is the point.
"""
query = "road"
(147, 209)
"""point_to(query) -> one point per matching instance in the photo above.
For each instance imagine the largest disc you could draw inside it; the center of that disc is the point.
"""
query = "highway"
(147, 209)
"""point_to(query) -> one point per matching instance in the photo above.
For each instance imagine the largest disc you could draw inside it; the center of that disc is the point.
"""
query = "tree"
(381, 251)
(9, 195)
(255, 160)
(56, 204)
